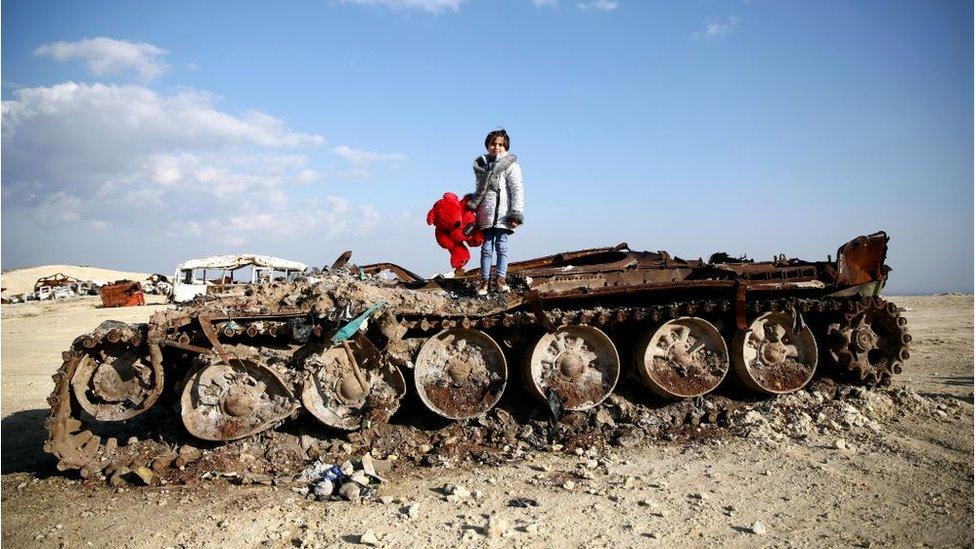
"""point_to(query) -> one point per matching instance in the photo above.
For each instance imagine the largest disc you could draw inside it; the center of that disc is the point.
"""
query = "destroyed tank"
(344, 346)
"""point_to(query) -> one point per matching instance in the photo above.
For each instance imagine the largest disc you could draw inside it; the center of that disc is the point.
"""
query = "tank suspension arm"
(356, 370)
(206, 324)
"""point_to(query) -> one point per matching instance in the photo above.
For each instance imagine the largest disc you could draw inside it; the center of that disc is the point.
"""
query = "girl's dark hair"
(498, 133)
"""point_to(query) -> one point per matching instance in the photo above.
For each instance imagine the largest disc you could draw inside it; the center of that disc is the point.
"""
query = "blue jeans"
(496, 242)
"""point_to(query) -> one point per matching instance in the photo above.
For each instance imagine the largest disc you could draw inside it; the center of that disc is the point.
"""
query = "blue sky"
(137, 134)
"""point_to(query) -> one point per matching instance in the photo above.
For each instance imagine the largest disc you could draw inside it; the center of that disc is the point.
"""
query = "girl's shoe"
(482, 288)
(503, 286)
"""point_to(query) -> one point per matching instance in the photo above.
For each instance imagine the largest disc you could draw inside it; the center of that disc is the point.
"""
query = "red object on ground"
(124, 293)
(454, 226)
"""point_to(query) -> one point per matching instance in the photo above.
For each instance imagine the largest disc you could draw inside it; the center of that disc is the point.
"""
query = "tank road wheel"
(460, 373)
(685, 357)
(116, 382)
(350, 384)
(232, 401)
(871, 342)
(770, 358)
(579, 363)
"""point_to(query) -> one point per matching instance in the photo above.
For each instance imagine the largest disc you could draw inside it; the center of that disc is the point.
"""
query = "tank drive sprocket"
(871, 341)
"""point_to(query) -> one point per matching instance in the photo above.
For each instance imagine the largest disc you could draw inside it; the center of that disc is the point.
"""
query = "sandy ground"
(902, 476)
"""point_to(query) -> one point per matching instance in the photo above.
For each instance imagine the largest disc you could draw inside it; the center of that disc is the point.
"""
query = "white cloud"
(168, 173)
(545, 3)
(598, 5)
(107, 56)
(71, 135)
(228, 175)
(367, 158)
(58, 208)
(432, 6)
(718, 28)
(146, 198)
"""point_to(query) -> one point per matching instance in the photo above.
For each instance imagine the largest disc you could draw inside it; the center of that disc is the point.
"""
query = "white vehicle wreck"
(230, 274)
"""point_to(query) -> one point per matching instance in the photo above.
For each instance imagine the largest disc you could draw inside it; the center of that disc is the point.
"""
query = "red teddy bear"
(455, 225)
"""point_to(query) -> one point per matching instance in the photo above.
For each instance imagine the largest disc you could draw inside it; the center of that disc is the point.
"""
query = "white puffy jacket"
(499, 195)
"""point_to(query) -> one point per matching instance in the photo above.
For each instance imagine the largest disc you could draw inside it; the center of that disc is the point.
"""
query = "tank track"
(850, 329)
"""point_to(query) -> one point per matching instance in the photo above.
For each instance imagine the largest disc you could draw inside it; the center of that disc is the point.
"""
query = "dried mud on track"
(878, 468)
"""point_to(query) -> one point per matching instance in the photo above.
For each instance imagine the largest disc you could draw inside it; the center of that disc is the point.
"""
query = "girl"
(498, 199)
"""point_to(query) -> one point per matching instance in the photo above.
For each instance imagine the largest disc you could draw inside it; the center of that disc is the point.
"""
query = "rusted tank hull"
(344, 349)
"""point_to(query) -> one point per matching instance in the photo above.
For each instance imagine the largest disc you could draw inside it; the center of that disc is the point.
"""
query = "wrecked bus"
(230, 274)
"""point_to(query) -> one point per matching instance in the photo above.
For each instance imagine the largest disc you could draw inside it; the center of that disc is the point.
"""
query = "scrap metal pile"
(322, 364)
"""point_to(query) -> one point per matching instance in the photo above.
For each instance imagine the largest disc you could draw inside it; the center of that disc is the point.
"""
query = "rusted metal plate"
(402, 274)
(122, 294)
(862, 260)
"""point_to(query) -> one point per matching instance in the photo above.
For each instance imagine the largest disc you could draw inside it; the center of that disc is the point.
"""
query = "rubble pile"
(326, 290)
(828, 410)
(324, 466)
